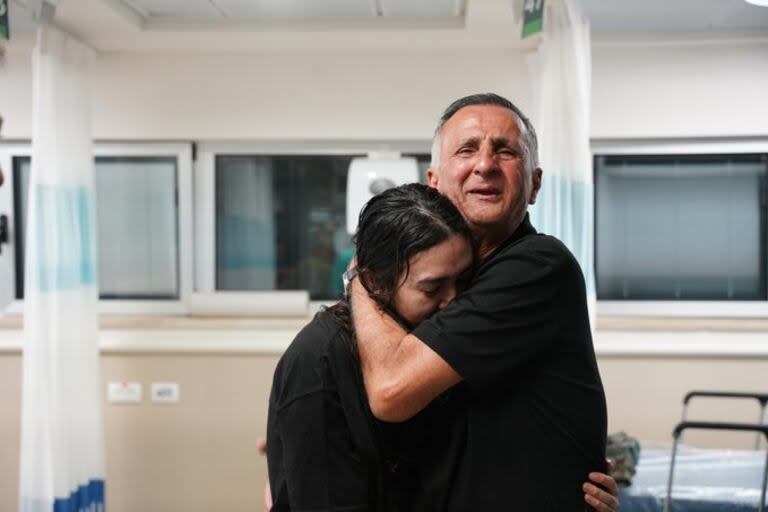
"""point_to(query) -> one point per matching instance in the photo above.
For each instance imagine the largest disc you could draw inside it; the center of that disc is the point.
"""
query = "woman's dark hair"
(393, 227)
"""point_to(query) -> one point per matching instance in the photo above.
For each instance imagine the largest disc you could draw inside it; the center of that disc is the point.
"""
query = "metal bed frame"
(760, 428)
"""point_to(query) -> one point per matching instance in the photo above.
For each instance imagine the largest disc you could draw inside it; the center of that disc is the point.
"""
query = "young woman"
(325, 450)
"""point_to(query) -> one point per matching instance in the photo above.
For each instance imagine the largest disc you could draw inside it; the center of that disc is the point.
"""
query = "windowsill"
(178, 322)
(681, 337)
(614, 337)
(678, 324)
(192, 322)
(178, 334)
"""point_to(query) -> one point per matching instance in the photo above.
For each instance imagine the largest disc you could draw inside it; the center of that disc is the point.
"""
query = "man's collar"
(524, 229)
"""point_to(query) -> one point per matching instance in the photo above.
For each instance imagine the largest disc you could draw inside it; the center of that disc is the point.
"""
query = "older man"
(526, 422)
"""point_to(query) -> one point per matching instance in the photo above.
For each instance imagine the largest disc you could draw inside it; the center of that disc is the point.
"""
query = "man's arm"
(401, 374)
(508, 317)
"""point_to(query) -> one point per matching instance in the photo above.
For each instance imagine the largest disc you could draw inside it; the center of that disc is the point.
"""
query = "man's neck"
(490, 238)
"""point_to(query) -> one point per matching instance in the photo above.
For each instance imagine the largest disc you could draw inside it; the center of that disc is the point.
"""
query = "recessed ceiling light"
(763, 3)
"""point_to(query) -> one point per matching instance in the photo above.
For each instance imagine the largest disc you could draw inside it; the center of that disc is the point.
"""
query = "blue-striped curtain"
(246, 239)
(562, 70)
(62, 432)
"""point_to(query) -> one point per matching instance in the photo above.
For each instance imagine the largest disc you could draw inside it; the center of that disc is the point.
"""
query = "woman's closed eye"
(464, 280)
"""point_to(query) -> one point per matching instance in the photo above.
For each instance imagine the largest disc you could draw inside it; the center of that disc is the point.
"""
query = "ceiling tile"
(177, 10)
(425, 9)
(297, 10)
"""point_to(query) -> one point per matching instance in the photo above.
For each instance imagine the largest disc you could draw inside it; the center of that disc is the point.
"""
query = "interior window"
(681, 227)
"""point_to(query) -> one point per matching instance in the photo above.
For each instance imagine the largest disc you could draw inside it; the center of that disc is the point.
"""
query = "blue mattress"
(705, 481)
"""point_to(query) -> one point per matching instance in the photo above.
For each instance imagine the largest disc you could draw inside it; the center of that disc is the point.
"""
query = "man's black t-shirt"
(530, 419)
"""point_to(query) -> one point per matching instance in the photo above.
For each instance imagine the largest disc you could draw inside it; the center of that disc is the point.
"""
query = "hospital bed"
(702, 480)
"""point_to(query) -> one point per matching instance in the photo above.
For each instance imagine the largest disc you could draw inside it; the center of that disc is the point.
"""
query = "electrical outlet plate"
(165, 392)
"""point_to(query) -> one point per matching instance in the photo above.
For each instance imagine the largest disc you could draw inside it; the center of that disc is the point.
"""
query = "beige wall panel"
(197, 455)
(645, 395)
(200, 454)
(10, 430)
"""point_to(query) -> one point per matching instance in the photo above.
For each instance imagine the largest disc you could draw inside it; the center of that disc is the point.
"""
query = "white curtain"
(562, 70)
(62, 436)
(247, 248)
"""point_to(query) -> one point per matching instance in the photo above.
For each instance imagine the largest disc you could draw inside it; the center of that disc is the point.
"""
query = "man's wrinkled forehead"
(477, 122)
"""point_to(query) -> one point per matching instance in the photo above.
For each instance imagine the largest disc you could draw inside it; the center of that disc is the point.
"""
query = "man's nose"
(486, 161)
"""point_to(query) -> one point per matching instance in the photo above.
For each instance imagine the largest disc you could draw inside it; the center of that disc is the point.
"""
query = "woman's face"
(436, 275)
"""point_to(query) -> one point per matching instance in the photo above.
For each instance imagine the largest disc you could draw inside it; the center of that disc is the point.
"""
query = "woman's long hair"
(393, 227)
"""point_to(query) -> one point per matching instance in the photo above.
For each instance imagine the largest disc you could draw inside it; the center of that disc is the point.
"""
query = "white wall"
(309, 95)
(688, 90)
(641, 90)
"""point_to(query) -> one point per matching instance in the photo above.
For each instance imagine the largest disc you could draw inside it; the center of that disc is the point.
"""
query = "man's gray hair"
(528, 141)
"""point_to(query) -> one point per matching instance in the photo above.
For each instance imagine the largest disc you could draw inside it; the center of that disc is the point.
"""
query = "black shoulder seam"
(305, 394)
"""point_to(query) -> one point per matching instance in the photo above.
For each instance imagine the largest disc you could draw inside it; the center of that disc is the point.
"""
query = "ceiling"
(227, 25)
(661, 16)
(280, 11)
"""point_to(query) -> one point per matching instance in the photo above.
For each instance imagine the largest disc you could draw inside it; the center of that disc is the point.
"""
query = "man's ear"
(536, 182)
(370, 284)
(432, 177)
(368, 280)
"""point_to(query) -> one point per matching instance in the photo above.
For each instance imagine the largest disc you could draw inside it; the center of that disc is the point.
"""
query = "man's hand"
(599, 499)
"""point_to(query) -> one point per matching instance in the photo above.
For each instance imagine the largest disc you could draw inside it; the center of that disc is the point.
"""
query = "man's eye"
(464, 151)
(431, 292)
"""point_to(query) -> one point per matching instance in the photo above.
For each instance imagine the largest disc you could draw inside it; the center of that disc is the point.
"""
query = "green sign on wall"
(4, 32)
(533, 14)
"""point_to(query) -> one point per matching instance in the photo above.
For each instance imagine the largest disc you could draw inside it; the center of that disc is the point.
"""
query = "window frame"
(182, 152)
(205, 204)
(673, 308)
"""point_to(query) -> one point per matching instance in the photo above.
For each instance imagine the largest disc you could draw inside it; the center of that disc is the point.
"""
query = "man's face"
(482, 168)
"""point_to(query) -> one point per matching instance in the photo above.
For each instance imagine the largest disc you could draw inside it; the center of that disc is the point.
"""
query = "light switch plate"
(124, 392)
